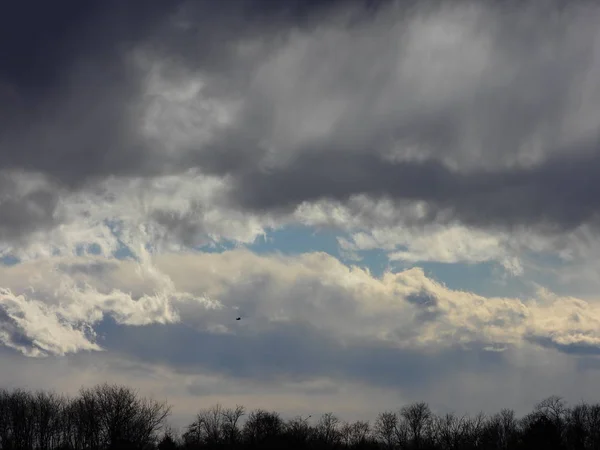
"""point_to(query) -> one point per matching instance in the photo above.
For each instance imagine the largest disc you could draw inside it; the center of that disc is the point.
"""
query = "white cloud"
(31, 327)
(446, 244)
(168, 213)
(406, 309)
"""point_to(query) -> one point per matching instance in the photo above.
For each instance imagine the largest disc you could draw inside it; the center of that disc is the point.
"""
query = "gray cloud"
(483, 111)
(68, 71)
(27, 204)
(291, 351)
(573, 348)
(497, 146)
(70, 88)
(74, 87)
(12, 335)
(559, 192)
(499, 115)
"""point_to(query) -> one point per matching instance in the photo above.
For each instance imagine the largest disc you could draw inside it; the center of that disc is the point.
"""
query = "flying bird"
(239, 318)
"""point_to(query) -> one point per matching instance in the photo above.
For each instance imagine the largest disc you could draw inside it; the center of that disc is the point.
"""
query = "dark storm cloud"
(25, 211)
(68, 88)
(557, 192)
(70, 98)
(561, 192)
(64, 91)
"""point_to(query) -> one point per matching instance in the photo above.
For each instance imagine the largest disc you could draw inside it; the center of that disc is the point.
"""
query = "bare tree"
(231, 417)
(501, 430)
(577, 427)
(207, 428)
(20, 416)
(593, 420)
(47, 410)
(355, 434)
(385, 429)
(327, 430)
(114, 416)
(168, 440)
(451, 431)
(419, 420)
(298, 431)
(554, 409)
(5, 428)
(263, 427)
(85, 419)
(215, 425)
(110, 417)
(473, 431)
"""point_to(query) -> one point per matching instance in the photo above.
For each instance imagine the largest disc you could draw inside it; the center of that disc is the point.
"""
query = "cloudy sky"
(400, 199)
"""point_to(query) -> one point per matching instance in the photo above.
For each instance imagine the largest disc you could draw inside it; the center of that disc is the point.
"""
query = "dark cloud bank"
(69, 91)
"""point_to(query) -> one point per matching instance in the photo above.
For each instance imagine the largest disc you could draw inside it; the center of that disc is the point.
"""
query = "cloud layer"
(485, 113)
(344, 305)
(144, 151)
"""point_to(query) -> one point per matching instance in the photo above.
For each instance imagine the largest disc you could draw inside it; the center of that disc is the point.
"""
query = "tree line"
(116, 417)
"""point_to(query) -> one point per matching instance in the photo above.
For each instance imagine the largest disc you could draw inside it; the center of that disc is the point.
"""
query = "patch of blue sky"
(123, 251)
(9, 260)
(217, 247)
(88, 249)
(545, 261)
(485, 278)
(297, 239)
(546, 270)
(375, 260)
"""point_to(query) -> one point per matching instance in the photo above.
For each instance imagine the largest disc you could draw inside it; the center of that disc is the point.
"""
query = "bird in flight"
(239, 318)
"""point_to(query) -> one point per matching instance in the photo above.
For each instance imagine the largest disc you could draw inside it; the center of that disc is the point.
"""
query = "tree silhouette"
(263, 429)
(419, 420)
(111, 417)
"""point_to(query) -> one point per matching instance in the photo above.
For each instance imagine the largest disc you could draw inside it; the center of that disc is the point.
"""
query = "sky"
(398, 198)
